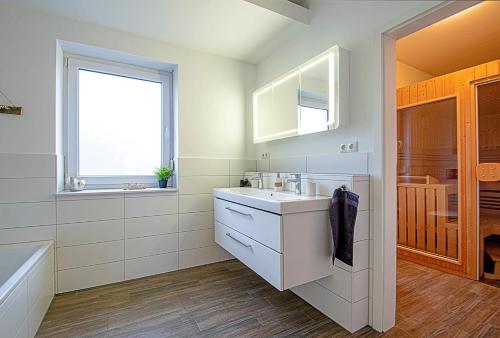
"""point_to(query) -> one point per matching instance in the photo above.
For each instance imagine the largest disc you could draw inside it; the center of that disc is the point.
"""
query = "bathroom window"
(118, 122)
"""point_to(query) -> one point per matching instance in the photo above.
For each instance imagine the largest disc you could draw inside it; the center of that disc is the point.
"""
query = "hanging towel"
(343, 211)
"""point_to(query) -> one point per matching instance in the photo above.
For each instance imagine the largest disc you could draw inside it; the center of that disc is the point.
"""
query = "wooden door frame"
(471, 90)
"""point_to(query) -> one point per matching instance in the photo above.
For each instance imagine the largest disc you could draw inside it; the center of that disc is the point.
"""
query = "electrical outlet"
(350, 147)
(265, 156)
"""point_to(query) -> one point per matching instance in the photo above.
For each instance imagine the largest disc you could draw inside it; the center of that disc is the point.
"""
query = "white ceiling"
(464, 40)
(231, 28)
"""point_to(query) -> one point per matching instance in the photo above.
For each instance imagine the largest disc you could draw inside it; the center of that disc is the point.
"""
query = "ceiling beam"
(286, 8)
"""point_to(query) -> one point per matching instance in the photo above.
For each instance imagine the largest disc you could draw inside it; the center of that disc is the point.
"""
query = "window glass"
(119, 125)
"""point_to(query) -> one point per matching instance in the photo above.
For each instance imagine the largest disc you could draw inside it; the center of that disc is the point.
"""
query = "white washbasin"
(272, 201)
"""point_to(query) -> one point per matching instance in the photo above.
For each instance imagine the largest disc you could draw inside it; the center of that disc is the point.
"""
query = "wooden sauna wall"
(459, 84)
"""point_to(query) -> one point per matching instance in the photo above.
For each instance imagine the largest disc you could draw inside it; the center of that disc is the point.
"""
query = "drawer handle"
(237, 240)
(239, 212)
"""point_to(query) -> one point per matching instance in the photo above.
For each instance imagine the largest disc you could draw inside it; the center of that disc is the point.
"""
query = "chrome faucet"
(259, 177)
(296, 180)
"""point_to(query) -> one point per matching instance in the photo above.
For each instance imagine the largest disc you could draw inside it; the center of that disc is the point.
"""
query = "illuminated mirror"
(311, 98)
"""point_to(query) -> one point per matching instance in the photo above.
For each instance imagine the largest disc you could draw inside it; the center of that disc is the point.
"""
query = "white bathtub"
(26, 287)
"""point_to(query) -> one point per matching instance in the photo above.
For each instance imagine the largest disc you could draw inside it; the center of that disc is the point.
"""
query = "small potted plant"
(163, 174)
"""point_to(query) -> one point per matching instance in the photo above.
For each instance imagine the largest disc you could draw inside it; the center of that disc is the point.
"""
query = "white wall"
(350, 24)
(212, 103)
(406, 75)
(358, 27)
(212, 89)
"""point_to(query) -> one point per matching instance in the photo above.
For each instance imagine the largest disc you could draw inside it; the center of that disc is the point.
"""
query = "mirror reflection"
(262, 121)
(284, 118)
(313, 108)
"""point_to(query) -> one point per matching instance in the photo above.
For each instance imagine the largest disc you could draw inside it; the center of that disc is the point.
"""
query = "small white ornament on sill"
(134, 186)
(76, 184)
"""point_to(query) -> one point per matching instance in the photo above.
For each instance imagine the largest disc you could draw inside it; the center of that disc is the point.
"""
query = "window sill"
(91, 192)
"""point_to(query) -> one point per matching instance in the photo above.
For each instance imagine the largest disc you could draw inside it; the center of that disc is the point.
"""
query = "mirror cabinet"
(311, 98)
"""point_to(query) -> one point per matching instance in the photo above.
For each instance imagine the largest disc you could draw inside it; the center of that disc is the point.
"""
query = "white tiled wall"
(27, 198)
(350, 163)
(349, 286)
(147, 232)
(197, 178)
(105, 238)
(343, 296)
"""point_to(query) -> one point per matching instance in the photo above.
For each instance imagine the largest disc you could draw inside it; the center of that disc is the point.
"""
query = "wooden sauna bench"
(489, 225)
(425, 221)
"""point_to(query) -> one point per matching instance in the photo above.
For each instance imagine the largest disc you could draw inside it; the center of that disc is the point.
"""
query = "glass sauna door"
(428, 178)
(488, 117)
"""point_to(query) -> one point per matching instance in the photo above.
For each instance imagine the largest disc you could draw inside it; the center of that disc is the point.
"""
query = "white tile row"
(351, 163)
(89, 210)
(152, 265)
(90, 276)
(27, 165)
(150, 246)
(196, 221)
(289, 164)
(89, 232)
(44, 165)
(151, 206)
(195, 203)
(350, 286)
(89, 254)
(28, 234)
(202, 256)
(151, 226)
(201, 184)
(352, 316)
(214, 167)
(81, 244)
(18, 215)
(27, 190)
(196, 239)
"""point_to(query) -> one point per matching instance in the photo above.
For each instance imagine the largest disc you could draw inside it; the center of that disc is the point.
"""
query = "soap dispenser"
(278, 183)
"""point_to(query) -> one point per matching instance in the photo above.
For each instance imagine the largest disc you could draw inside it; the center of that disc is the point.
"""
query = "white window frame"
(73, 65)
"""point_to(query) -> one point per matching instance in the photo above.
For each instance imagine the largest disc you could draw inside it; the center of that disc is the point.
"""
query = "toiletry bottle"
(278, 184)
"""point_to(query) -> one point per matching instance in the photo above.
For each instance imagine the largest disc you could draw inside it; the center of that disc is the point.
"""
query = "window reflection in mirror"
(313, 98)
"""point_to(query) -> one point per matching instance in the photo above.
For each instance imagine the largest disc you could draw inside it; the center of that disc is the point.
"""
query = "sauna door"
(429, 182)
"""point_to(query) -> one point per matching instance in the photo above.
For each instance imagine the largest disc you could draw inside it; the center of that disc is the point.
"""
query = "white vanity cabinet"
(286, 239)
(287, 249)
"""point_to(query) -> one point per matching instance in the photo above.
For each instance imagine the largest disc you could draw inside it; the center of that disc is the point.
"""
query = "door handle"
(488, 172)
(237, 240)
(239, 212)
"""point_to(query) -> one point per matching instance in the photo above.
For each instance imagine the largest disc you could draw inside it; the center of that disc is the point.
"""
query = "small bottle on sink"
(278, 183)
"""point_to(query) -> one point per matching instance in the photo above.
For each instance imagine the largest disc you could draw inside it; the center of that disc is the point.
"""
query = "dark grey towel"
(343, 211)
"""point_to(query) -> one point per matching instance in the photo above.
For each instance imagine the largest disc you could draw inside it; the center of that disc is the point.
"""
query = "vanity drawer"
(265, 262)
(262, 226)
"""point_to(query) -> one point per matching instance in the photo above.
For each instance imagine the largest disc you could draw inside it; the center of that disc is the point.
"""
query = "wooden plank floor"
(228, 299)
(431, 303)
